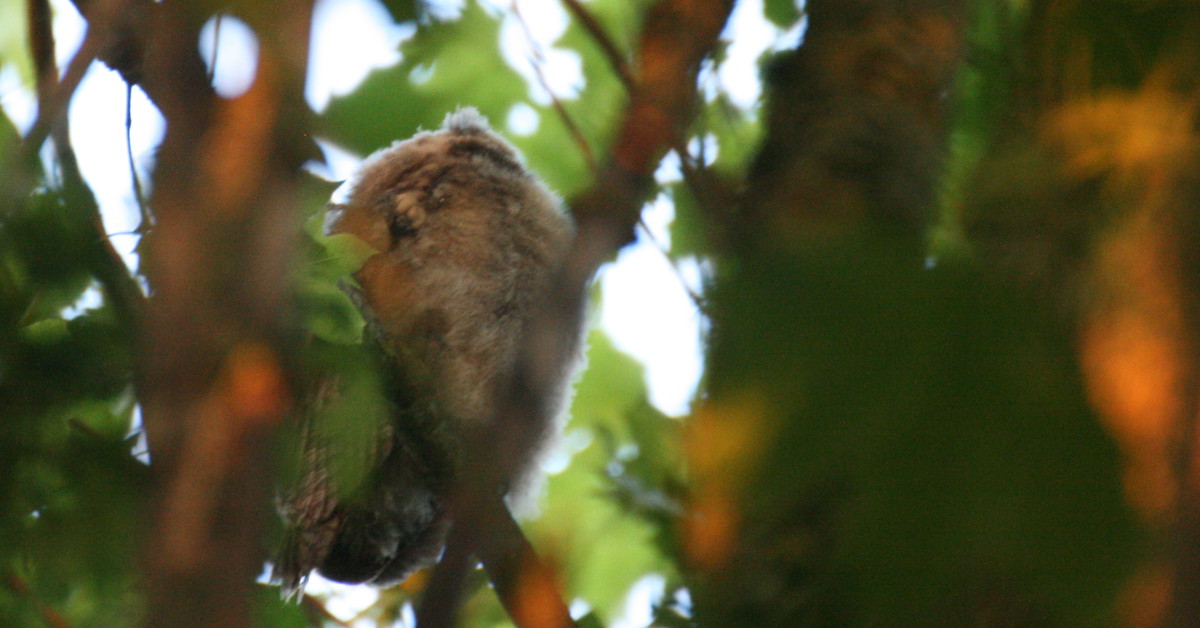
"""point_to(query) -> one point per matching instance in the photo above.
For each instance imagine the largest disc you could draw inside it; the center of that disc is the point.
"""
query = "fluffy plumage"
(468, 240)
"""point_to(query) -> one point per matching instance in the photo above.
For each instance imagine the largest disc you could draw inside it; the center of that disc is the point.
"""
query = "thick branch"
(439, 604)
(130, 40)
(213, 365)
(526, 586)
(676, 37)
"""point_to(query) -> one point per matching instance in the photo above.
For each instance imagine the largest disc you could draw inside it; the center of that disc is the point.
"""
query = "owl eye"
(405, 214)
(400, 225)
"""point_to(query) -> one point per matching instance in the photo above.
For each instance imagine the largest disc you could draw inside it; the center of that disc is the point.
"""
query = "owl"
(467, 241)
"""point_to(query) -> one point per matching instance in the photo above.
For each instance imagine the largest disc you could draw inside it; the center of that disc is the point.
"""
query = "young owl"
(467, 242)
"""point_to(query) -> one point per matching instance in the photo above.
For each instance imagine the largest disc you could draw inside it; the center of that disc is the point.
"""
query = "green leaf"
(9, 138)
(14, 48)
(56, 369)
(87, 493)
(401, 10)
(325, 309)
(445, 65)
(328, 313)
(591, 620)
(738, 136)
(314, 196)
(275, 612)
(39, 233)
(350, 412)
(583, 525)
(612, 385)
(16, 295)
(554, 154)
(621, 20)
(690, 235)
(344, 254)
(45, 331)
(781, 13)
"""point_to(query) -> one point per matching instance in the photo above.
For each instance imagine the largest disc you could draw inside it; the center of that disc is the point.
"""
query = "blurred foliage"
(14, 43)
(402, 10)
(892, 431)
(459, 62)
(70, 489)
(622, 466)
(446, 64)
(906, 446)
(782, 13)
(325, 310)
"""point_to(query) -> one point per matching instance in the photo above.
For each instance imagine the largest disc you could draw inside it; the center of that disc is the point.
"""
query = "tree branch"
(526, 586)
(130, 41)
(213, 368)
(441, 599)
(676, 36)
(55, 95)
(619, 65)
(104, 261)
(537, 62)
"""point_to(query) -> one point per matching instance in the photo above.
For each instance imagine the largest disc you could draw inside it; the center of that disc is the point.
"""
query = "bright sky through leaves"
(645, 307)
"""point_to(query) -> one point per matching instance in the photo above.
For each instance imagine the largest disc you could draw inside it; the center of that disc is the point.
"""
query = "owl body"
(467, 243)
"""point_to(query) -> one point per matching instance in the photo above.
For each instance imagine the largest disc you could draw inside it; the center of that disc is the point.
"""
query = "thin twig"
(121, 290)
(537, 62)
(601, 37)
(614, 56)
(695, 298)
(212, 65)
(52, 105)
(147, 221)
(133, 49)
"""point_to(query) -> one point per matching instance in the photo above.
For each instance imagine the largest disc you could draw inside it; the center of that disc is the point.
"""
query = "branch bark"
(211, 372)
